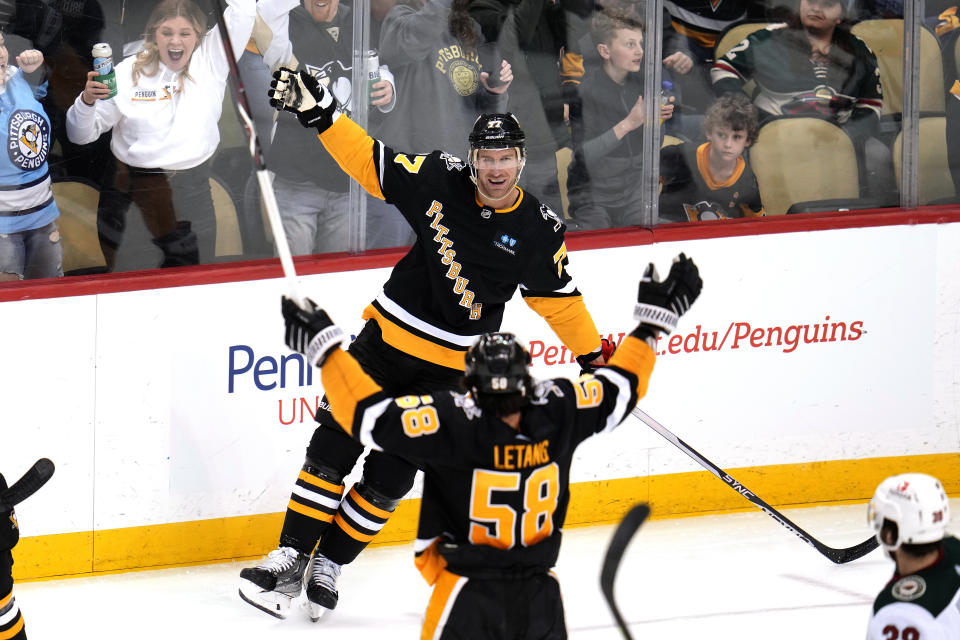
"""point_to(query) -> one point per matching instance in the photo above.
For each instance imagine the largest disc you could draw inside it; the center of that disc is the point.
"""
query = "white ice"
(732, 576)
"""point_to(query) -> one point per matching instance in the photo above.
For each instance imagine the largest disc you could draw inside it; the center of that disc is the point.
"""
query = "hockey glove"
(301, 93)
(9, 532)
(589, 363)
(310, 332)
(660, 304)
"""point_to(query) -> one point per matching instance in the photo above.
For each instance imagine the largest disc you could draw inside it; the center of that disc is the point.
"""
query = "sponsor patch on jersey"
(28, 139)
(505, 242)
(909, 588)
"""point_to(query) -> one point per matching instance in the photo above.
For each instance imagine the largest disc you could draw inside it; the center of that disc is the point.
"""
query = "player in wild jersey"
(496, 459)
(910, 513)
(478, 238)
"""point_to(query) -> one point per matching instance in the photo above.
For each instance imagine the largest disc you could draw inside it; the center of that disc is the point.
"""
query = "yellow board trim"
(670, 495)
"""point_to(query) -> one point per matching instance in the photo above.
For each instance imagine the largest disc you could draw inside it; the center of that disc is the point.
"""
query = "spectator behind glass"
(532, 35)
(164, 122)
(312, 192)
(582, 53)
(434, 49)
(713, 180)
(813, 66)
(29, 239)
(604, 178)
(700, 22)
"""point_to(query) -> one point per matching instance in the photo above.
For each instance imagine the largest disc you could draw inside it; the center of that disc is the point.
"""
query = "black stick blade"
(611, 562)
(35, 477)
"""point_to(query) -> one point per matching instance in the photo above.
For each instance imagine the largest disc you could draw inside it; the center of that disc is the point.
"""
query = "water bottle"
(103, 65)
(666, 92)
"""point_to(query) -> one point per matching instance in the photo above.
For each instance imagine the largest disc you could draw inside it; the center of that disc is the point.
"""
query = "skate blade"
(314, 610)
(270, 602)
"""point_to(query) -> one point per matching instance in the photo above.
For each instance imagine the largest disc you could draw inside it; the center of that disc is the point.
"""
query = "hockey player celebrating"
(478, 238)
(910, 514)
(11, 620)
(496, 459)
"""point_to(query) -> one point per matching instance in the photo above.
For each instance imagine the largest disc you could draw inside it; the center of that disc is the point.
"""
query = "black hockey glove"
(9, 532)
(310, 332)
(586, 361)
(301, 93)
(660, 304)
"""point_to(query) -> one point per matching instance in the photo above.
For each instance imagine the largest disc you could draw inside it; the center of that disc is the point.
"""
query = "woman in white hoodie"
(164, 121)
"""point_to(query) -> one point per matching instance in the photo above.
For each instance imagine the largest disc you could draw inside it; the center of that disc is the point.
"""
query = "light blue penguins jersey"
(26, 196)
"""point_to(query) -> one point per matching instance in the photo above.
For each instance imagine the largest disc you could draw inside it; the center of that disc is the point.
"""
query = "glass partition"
(635, 113)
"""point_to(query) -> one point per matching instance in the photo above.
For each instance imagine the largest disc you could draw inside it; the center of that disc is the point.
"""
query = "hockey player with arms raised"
(496, 459)
(479, 238)
(910, 513)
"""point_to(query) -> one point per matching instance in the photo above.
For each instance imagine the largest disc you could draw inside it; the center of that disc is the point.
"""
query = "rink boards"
(812, 366)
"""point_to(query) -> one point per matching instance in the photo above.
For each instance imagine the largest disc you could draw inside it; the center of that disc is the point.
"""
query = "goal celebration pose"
(496, 459)
(479, 238)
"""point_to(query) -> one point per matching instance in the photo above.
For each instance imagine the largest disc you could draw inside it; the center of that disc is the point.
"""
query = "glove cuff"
(328, 339)
(661, 318)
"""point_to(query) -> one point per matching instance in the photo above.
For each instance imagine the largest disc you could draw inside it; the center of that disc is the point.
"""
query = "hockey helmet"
(497, 365)
(497, 131)
(914, 505)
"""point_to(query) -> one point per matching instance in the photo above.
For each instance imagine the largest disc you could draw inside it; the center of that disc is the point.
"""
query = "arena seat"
(936, 182)
(803, 160)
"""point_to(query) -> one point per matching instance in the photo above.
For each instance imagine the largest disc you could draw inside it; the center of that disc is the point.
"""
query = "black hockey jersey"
(691, 194)
(494, 498)
(703, 20)
(467, 260)
(843, 87)
(924, 605)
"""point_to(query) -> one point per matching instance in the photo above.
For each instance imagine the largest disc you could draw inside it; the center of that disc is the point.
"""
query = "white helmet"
(916, 503)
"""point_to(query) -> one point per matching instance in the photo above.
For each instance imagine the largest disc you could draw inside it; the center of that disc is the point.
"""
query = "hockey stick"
(611, 561)
(35, 477)
(839, 556)
(242, 106)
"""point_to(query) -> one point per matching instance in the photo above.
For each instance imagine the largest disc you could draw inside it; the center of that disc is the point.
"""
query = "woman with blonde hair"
(164, 119)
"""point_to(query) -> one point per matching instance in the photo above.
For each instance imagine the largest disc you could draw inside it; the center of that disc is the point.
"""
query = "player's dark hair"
(605, 24)
(736, 111)
(890, 532)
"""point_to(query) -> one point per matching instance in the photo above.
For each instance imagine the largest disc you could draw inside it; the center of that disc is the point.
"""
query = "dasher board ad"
(183, 404)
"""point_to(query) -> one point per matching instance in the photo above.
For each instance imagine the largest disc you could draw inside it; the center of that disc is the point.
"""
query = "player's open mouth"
(175, 54)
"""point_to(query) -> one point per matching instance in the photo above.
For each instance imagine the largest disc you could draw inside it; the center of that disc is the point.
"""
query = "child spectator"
(713, 181)
(603, 183)
(29, 239)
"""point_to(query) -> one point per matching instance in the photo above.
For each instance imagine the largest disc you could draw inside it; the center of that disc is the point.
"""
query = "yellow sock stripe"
(439, 603)
(310, 512)
(369, 508)
(12, 631)
(5, 600)
(320, 482)
(350, 531)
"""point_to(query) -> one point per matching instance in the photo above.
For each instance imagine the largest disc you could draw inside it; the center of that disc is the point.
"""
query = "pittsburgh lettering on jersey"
(521, 456)
(448, 255)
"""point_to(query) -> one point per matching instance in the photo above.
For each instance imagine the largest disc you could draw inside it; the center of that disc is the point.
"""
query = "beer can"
(102, 54)
(372, 67)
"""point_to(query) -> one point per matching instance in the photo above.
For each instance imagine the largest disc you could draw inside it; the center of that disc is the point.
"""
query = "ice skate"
(321, 586)
(273, 584)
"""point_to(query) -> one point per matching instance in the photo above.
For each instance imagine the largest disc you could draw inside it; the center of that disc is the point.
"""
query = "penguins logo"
(28, 139)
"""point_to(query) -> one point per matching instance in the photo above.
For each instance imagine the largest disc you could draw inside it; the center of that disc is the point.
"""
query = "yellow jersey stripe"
(352, 148)
(635, 355)
(346, 384)
(398, 337)
(570, 320)
(444, 594)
